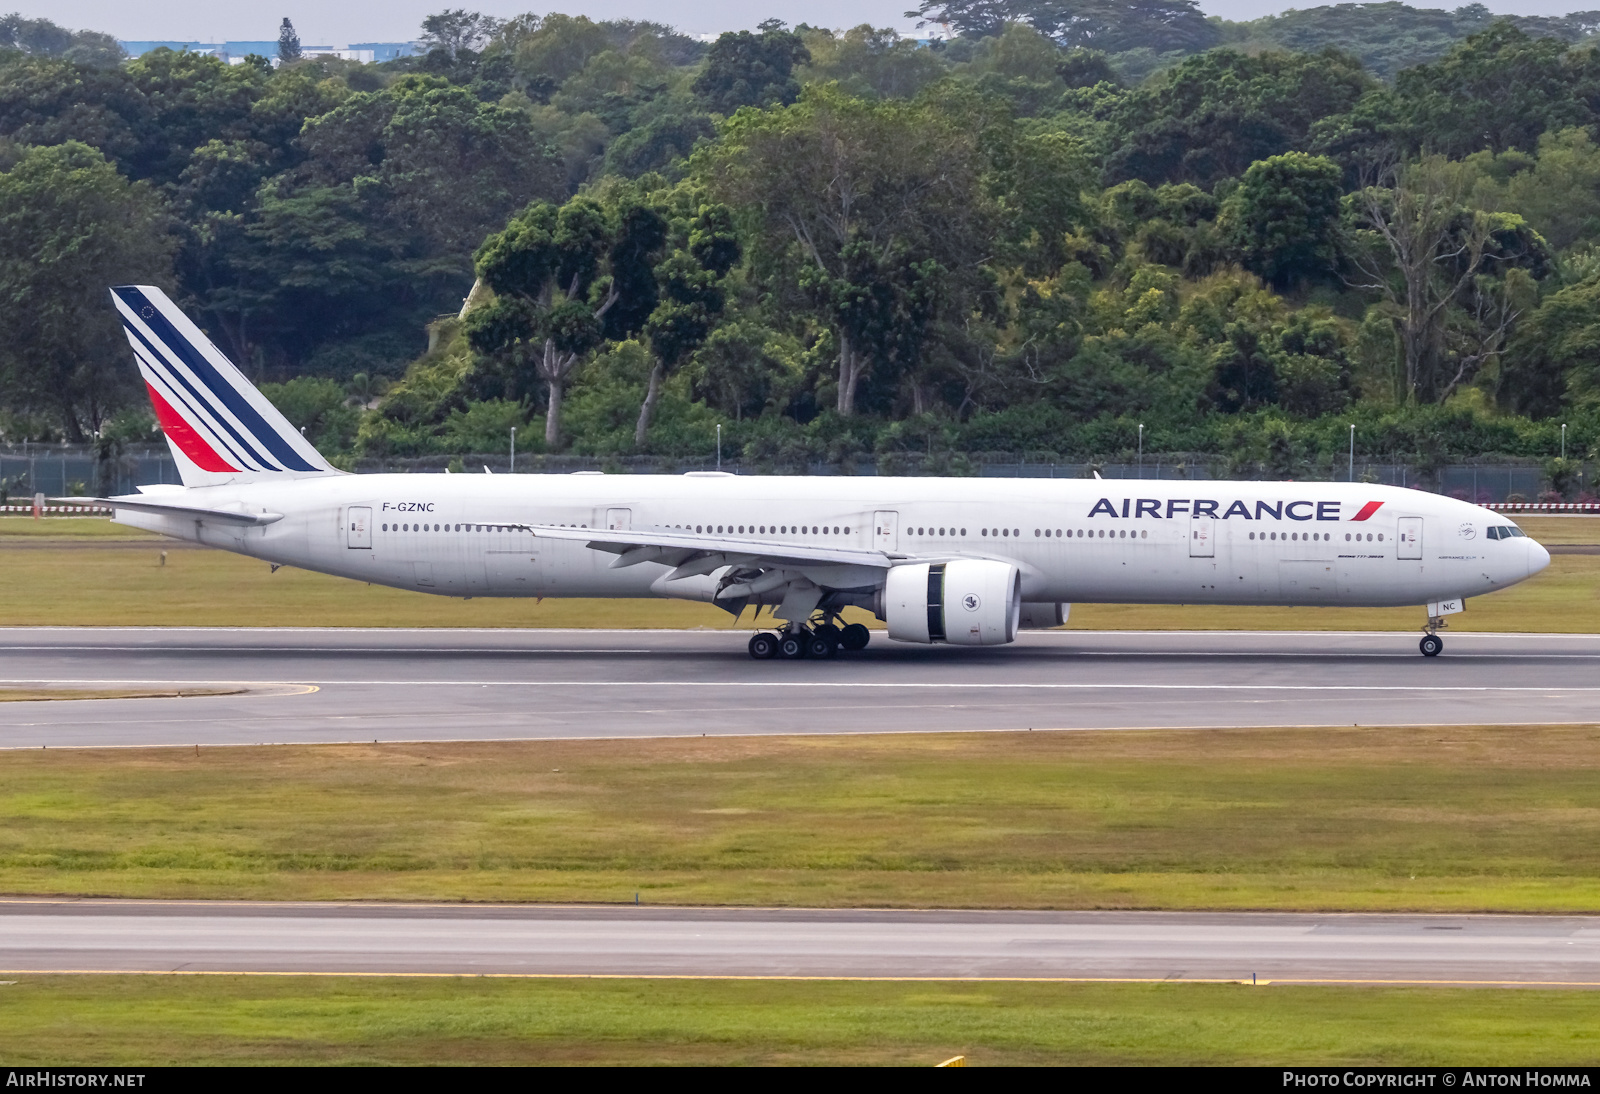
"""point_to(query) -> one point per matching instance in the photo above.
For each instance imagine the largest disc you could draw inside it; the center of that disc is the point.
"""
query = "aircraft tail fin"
(219, 427)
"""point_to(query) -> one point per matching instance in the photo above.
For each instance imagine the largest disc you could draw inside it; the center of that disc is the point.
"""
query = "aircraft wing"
(698, 554)
(167, 509)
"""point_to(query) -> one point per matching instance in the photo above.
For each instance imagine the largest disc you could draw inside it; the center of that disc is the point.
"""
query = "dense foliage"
(1048, 226)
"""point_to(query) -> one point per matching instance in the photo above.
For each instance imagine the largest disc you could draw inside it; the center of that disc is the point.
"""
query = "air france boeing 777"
(962, 561)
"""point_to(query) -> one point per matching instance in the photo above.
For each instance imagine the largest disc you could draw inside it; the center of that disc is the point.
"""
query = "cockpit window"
(1505, 531)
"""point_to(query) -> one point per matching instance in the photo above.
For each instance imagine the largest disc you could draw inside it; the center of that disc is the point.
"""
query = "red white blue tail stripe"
(220, 428)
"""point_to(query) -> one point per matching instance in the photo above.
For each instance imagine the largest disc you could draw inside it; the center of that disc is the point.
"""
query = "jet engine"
(968, 602)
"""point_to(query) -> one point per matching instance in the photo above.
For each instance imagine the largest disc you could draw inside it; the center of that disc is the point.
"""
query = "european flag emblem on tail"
(220, 428)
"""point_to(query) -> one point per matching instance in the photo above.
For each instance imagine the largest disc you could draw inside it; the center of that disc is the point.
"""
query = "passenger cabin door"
(619, 520)
(1409, 535)
(358, 527)
(886, 531)
(1202, 537)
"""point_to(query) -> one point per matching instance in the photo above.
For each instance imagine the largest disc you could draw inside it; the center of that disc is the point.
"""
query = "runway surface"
(406, 685)
(89, 936)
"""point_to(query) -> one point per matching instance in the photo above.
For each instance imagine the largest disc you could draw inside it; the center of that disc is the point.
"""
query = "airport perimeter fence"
(64, 470)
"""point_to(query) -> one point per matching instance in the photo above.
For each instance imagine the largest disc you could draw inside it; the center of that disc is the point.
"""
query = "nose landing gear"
(1431, 643)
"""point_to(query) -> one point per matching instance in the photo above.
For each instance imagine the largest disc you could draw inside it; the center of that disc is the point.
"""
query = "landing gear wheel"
(822, 647)
(763, 647)
(1430, 645)
(828, 631)
(855, 636)
(792, 647)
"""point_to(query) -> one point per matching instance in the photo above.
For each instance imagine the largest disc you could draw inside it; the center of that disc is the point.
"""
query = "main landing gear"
(822, 641)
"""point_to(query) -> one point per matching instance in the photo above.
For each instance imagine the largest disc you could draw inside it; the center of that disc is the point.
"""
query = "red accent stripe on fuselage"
(1367, 510)
(182, 434)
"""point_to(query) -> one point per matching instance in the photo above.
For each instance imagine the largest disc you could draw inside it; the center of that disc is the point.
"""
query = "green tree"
(1497, 90)
(691, 297)
(1110, 25)
(49, 101)
(744, 69)
(372, 232)
(1558, 191)
(555, 274)
(288, 42)
(319, 408)
(1418, 240)
(456, 30)
(71, 227)
(873, 205)
(870, 61)
(1214, 115)
(1284, 218)
(1555, 354)
(1387, 37)
(41, 37)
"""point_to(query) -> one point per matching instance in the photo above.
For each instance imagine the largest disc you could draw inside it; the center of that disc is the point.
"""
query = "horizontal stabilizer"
(167, 509)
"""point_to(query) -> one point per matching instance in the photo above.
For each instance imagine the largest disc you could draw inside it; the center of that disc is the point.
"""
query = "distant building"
(388, 51)
(235, 52)
(362, 56)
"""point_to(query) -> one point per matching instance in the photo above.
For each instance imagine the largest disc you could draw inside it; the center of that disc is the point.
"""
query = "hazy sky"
(397, 20)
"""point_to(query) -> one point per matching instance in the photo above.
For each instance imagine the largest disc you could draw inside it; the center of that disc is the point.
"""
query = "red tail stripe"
(180, 433)
(1367, 510)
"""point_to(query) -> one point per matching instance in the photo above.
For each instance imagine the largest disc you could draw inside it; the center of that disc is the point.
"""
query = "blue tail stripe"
(263, 433)
(163, 376)
(201, 399)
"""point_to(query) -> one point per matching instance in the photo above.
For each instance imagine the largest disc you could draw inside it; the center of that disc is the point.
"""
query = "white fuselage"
(1078, 540)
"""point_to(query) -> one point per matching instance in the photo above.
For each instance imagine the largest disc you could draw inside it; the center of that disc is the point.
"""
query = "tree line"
(1021, 234)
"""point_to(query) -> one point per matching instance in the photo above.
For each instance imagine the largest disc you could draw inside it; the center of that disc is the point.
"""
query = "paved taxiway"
(46, 936)
(406, 685)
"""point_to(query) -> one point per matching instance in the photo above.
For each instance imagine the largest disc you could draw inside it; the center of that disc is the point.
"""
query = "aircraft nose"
(1538, 557)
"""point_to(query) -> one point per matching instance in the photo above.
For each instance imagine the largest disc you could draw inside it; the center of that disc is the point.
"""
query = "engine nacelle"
(969, 602)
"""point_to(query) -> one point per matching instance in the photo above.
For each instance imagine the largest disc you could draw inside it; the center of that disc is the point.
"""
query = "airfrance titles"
(1172, 508)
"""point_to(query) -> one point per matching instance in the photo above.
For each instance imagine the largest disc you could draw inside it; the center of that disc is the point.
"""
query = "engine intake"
(969, 602)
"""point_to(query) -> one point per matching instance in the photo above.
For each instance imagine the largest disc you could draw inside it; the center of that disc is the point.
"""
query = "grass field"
(147, 1021)
(75, 571)
(55, 694)
(1453, 819)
